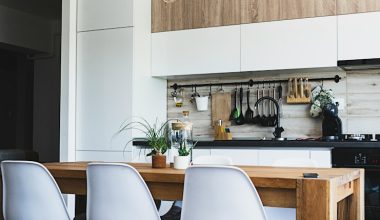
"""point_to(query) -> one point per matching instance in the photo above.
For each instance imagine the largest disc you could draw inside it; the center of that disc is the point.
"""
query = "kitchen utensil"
(274, 117)
(269, 119)
(240, 120)
(264, 118)
(297, 95)
(295, 87)
(257, 118)
(221, 107)
(249, 114)
(302, 91)
(235, 112)
(290, 89)
(280, 100)
(307, 88)
(194, 94)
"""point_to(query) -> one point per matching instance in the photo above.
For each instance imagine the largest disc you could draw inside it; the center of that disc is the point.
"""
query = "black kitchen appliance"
(331, 124)
(369, 159)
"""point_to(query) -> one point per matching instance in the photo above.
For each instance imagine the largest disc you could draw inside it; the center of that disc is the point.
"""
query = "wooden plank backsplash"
(359, 90)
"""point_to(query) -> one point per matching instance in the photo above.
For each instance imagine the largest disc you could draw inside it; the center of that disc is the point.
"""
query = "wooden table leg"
(314, 200)
(356, 201)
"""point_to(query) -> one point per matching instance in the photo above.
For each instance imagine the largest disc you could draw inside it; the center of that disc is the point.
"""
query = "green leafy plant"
(184, 150)
(156, 134)
(320, 98)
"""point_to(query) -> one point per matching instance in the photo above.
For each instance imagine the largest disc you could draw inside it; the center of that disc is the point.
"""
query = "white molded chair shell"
(31, 193)
(295, 162)
(117, 191)
(220, 193)
(212, 160)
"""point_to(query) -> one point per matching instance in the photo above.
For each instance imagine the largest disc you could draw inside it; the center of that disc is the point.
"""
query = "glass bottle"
(187, 129)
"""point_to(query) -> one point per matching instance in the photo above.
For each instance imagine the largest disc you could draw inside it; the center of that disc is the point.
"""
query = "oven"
(369, 159)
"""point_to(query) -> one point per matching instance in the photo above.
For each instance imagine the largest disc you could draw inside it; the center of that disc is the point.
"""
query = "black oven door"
(372, 194)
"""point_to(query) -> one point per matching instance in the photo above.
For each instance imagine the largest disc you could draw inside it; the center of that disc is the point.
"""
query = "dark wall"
(47, 90)
(16, 101)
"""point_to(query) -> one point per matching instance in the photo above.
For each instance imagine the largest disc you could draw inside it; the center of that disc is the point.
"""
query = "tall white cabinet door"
(103, 14)
(104, 88)
(197, 51)
(289, 44)
(358, 36)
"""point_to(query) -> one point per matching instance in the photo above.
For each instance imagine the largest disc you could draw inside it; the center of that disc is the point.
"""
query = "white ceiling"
(50, 9)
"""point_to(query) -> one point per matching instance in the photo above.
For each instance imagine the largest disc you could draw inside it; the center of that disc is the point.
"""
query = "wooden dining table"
(336, 194)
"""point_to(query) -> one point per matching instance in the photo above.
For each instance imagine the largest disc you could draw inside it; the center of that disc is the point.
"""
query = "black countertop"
(243, 144)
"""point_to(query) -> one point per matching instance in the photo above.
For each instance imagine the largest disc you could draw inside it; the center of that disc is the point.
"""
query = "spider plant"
(156, 134)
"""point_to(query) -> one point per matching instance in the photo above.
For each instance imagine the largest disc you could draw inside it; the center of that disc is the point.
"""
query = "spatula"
(249, 113)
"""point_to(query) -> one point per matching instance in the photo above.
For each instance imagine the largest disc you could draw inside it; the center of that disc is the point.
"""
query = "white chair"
(288, 213)
(117, 191)
(31, 193)
(220, 193)
(212, 160)
(201, 160)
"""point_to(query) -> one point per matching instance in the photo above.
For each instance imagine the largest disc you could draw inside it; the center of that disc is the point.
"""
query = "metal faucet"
(278, 130)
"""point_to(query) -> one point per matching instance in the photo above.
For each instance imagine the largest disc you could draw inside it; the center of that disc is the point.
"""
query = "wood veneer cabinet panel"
(254, 11)
(221, 12)
(357, 6)
(191, 14)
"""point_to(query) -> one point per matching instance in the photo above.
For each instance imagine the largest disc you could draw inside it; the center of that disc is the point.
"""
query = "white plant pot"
(202, 103)
(181, 162)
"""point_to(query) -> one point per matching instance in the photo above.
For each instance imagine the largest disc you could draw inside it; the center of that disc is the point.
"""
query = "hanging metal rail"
(250, 83)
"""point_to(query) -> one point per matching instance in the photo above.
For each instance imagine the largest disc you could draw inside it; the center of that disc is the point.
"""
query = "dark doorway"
(16, 95)
(30, 68)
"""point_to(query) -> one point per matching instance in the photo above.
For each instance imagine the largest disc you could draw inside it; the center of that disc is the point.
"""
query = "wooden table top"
(260, 176)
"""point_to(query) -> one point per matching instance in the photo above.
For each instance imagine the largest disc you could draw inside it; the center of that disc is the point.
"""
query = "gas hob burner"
(361, 137)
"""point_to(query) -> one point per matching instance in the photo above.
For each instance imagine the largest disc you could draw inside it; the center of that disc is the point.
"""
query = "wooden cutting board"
(221, 108)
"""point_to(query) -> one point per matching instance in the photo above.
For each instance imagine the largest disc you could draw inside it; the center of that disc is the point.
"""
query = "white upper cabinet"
(359, 36)
(289, 44)
(104, 88)
(103, 14)
(196, 51)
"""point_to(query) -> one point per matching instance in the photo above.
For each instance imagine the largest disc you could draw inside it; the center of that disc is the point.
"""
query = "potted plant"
(156, 135)
(182, 161)
(320, 98)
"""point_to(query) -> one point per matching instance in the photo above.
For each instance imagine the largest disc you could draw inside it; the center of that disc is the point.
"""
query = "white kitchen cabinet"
(104, 14)
(196, 51)
(322, 157)
(358, 36)
(289, 44)
(108, 156)
(201, 152)
(104, 88)
(267, 157)
(239, 156)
